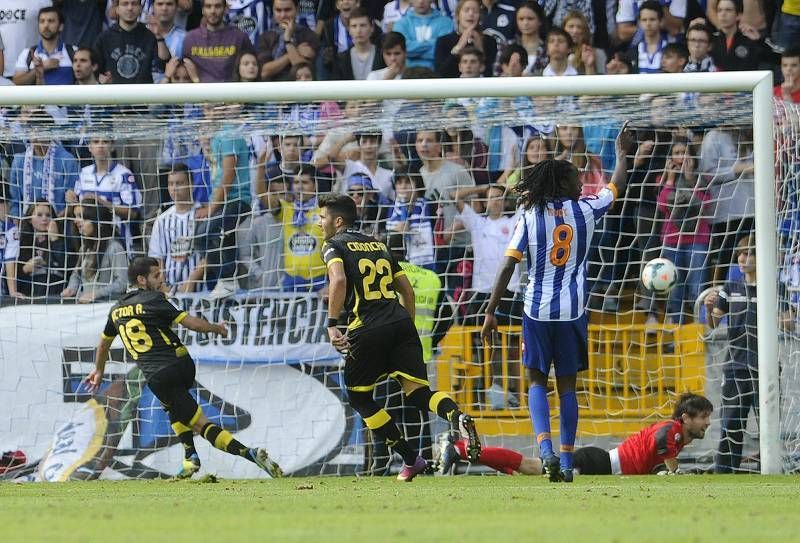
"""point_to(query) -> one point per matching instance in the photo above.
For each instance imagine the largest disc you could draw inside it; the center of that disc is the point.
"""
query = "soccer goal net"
(220, 183)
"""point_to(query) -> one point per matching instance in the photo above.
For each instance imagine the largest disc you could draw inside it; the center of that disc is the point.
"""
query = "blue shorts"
(564, 343)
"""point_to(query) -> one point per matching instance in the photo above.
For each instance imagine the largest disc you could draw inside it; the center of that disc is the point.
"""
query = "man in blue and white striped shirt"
(555, 229)
(172, 240)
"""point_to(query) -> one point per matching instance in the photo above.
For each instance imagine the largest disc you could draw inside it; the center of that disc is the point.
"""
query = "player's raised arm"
(621, 146)
(199, 324)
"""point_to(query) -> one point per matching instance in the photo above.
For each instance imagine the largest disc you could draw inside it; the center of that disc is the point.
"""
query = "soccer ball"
(659, 275)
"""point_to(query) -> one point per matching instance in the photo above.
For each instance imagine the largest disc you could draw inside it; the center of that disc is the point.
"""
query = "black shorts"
(392, 349)
(171, 386)
(592, 461)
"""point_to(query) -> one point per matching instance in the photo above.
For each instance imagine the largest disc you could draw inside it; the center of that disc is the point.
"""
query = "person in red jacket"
(640, 454)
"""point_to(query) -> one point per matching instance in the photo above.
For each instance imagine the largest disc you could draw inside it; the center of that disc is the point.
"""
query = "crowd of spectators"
(231, 209)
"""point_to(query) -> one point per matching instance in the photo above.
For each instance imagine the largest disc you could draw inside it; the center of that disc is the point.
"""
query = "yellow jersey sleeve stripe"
(613, 188)
(107, 337)
(399, 273)
(182, 315)
(513, 253)
(332, 260)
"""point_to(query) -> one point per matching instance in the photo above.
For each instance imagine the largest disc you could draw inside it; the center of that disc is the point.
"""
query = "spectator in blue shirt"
(48, 62)
(422, 26)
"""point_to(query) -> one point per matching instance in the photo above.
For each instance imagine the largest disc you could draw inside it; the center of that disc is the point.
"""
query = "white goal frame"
(759, 83)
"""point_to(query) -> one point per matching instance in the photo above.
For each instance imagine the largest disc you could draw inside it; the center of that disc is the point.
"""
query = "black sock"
(224, 441)
(440, 403)
(187, 439)
(381, 424)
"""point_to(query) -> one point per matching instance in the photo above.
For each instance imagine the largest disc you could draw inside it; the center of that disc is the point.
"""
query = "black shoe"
(567, 475)
(551, 466)
(466, 426)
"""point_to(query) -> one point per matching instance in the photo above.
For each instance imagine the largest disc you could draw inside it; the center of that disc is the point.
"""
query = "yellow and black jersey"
(370, 270)
(144, 319)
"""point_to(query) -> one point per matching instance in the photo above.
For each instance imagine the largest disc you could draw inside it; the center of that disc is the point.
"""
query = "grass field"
(443, 509)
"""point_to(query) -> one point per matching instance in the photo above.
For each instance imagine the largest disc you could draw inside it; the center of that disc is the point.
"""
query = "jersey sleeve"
(397, 270)
(468, 217)
(110, 331)
(519, 239)
(668, 440)
(171, 314)
(600, 203)
(331, 253)
(129, 193)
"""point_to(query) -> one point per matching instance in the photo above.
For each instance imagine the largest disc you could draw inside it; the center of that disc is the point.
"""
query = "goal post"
(757, 83)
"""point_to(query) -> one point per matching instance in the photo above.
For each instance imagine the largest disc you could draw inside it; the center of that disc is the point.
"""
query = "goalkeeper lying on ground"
(640, 454)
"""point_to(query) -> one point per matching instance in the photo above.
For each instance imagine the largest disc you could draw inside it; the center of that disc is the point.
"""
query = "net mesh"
(248, 254)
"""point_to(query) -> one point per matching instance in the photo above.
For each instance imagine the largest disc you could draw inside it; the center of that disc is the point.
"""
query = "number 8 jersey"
(370, 271)
(144, 320)
(557, 242)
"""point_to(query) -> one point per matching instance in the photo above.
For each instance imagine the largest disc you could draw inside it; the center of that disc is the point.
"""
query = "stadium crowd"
(228, 210)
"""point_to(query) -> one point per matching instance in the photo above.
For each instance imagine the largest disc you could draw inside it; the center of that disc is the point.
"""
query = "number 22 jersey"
(370, 270)
(144, 320)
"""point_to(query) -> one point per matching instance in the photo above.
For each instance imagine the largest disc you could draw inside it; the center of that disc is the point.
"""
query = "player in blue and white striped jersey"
(555, 230)
(9, 246)
(172, 240)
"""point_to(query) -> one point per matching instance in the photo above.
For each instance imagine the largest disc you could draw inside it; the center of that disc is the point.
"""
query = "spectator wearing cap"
(372, 209)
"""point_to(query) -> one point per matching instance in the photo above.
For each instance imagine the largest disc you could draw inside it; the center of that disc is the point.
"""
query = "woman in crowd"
(530, 29)
(586, 59)
(570, 145)
(246, 68)
(468, 32)
(101, 271)
(41, 266)
(534, 150)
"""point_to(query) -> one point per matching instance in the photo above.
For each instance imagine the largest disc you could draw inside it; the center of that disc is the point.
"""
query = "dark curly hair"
(546, 181)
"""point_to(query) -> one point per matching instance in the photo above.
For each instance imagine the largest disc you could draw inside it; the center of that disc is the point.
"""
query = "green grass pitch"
(380, 510)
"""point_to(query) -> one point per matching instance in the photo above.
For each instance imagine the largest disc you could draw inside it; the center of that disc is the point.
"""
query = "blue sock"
(540, 415)
(568, 413)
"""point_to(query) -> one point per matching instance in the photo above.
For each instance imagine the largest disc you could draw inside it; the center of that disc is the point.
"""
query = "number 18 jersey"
(144, 319)
(557, 240)
(370, 271)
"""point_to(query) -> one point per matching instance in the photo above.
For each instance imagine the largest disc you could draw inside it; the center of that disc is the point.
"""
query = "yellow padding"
(437, 397)
(378, 419)
(195, 417)
(179, 428)
(223, 440)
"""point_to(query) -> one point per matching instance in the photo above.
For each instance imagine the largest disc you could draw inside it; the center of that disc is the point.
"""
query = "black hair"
(738, 5)
(548, 180)
(556, 31)
(140, 266)
(700, 27)
(299, 66)
(537, 9)
(418, 72)
(180, 167)
(309, 170)
(791, 52)
(392, 40)
(102, 219)
(691, 404)
(340, 205)
(359, 13)
(678, 49)
(652, 5)
(509, 51)
(51, 9)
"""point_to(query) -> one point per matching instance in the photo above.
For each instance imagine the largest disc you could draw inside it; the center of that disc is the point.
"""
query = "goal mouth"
(491, 129)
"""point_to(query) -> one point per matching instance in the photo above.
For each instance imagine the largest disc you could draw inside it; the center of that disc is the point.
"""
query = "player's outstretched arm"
(95, 377)
(500, 285)
(622, 144)
(199, 324)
